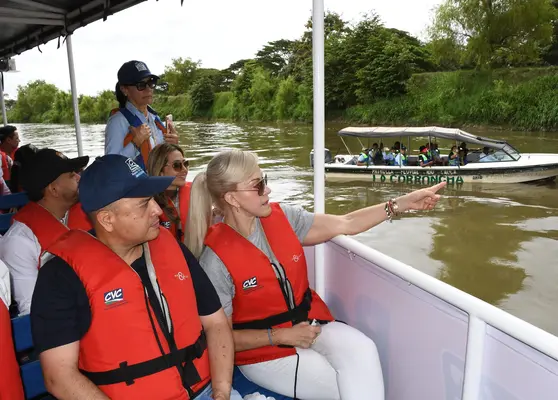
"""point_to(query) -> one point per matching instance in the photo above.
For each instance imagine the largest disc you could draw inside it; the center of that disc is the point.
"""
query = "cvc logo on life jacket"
(251, 283)
(115, 296)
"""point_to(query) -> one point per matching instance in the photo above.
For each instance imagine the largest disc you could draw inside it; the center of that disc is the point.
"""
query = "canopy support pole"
(2, 103)
(74, 94)
(319, 134)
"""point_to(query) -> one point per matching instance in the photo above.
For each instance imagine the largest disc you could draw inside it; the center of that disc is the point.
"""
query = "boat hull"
(433, 175)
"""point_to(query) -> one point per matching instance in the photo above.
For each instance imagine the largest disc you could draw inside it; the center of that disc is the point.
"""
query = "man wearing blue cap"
(128, 313)
(135, 128)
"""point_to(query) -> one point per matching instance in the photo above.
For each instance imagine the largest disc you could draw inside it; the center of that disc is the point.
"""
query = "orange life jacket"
(122, 350)
(77, 219)
(183, 204)
(5, 166)
(11, 387)
(134, 121)
(46, 227)
(259, 301)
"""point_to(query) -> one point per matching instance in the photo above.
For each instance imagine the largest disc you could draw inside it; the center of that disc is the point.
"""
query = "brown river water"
(496, 242)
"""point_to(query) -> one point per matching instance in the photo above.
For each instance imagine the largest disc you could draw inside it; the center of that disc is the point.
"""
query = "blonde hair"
(158, 159)
(224, 172)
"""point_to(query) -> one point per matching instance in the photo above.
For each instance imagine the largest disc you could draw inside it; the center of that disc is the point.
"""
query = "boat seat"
(30, 367)
(246, 387)
(32, 376)
(15, 200)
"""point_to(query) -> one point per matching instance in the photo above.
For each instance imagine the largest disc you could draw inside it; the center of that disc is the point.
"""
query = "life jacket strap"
(129, 373)
(295, 315)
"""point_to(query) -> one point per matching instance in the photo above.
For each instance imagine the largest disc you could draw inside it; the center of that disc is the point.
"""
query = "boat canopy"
(443, 133)
(29, 23)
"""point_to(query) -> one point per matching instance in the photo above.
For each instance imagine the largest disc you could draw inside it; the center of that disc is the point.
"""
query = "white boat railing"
(375, 292)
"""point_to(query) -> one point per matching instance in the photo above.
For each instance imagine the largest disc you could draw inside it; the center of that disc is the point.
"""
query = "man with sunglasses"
(135, 128)
(51, 182)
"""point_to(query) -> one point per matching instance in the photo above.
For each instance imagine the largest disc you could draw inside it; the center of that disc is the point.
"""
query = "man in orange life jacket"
(51, 182)
(9, 142)
(11, 387)
(126, 312)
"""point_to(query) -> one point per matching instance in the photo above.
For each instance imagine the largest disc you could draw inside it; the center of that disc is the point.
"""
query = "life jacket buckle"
(124, 365)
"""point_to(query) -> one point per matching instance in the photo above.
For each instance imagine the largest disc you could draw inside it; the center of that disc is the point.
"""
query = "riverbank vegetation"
(483, 64)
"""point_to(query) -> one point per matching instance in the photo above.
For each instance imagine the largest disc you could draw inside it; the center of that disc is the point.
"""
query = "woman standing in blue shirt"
(135, 128)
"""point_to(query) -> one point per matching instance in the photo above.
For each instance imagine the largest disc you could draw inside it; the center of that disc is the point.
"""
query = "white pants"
(343, 363)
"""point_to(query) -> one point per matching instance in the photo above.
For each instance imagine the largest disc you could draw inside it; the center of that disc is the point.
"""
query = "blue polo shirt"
(118, 127)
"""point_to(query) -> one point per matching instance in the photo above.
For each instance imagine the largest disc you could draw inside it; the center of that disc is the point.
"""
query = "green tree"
(275, 56)
(202, 94)
(180, 75)
(391, 64)
(550, 56)
(496, 32)
(33, 101)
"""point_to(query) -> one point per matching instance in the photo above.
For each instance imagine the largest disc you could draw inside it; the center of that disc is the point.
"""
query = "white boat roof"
(29, 23)
(444, 133)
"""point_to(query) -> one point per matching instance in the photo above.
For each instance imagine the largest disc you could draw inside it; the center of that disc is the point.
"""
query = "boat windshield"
(510, 153)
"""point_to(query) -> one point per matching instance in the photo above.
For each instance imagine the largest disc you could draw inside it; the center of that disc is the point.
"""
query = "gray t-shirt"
(300, 220)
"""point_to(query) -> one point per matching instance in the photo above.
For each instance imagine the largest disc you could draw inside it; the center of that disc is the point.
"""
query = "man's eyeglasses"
(178, 164)
(141, 86)
(259, 187)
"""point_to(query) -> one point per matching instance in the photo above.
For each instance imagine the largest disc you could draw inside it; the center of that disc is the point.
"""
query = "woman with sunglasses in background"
(168, 160)
(134, 128)
(286, 340)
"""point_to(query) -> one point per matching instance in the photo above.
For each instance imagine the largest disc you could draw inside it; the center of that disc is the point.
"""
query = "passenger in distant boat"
(126, 312)
(51, 182)
(436, 155)
(453, 157)
(389, 157)
(11, 387)
(401, 157)
(397, 146)
(424, 160)
(364, 157)
(377, 157)
(135, 128)
(487, 155)
(168, 160)
(256, 262)
(463, 151)
(21, 157)
(428, 146)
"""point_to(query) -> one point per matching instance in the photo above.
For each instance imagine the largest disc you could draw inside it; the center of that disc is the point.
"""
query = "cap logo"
(135, 169)
(61, 155)
(141, 66)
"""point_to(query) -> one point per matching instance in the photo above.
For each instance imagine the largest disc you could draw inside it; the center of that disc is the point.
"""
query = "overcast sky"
(217, 32)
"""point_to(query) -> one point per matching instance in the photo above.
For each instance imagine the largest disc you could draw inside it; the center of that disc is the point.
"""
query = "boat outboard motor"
(327, 156)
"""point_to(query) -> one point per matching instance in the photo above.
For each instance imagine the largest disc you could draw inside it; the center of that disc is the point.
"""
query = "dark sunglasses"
(178, 164)
(259, 187)
(141, 86)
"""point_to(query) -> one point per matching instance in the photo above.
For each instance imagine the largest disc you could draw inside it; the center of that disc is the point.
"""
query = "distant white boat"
(506, 165)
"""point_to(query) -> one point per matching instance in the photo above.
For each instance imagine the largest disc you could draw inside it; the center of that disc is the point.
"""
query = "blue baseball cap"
(113, 177)
(133, 72)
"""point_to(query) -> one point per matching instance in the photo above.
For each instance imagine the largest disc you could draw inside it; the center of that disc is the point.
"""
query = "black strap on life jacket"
(294, 315)
(129, 373)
